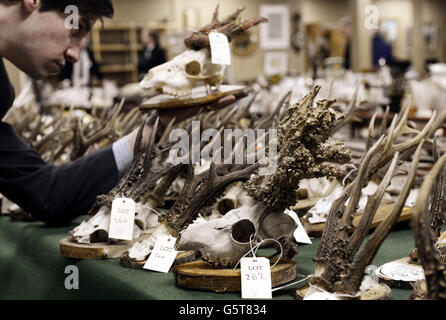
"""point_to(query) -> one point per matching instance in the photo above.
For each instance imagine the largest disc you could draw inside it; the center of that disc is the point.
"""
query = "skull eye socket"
(242, 230)
(193, 68)
(225, 206)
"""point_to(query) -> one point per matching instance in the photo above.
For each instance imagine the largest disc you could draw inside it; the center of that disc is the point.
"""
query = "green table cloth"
(31, 267)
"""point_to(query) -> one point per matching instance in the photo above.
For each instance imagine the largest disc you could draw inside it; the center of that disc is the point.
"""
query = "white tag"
(401, 272)
(300, 234)
(320, 296)
(220, 51)
(256, 278)
(122, 219)
(163, 254)
(5, 205)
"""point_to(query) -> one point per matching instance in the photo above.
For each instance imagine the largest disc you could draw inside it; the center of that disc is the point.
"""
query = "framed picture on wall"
(430, 36)
(389, 30)
(275, 63)
(276, 33)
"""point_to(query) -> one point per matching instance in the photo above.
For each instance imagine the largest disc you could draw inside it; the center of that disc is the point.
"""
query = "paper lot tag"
(163, 254)
(122, 219)
(256, 278)
(220, 51)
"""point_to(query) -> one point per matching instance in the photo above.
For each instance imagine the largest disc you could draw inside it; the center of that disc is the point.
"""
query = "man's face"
(47, 44)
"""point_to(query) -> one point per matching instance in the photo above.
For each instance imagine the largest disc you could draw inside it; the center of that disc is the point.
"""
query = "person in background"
(152, 55)
(81, 73)
(346, 28)
(381, 50)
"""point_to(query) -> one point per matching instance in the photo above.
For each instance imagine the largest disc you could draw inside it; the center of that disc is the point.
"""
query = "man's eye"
(77, 31)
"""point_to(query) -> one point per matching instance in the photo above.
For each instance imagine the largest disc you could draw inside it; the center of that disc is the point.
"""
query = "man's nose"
(72, 54)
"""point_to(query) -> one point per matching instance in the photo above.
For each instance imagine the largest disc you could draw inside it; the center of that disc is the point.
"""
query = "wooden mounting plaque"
(201, 275)
(383, 211)
(198, 97)
(99, 250)
(398, 284)
(182, 257)
(380, 292)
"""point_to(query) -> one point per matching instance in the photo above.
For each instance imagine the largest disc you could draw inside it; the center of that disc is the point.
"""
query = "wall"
(433, 11)
(243, 68)
(402, 12)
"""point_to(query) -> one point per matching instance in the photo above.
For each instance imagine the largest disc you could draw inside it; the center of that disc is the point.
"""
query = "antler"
(140, 169)
(304, 151)
(336, 268)
(425, 237)
(229, 26)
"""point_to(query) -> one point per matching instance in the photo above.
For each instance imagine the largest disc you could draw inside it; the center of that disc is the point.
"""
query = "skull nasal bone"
(242, 230)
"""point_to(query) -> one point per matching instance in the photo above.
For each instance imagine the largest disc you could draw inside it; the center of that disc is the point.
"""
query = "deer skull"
(96, 228)
(178, 76)
(224, 241)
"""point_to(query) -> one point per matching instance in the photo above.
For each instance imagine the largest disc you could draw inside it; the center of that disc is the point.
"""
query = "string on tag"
(157, 212)
(256, 247)
(293, 283)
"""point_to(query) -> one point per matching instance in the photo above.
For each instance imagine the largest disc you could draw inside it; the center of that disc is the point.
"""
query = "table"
(31, 267)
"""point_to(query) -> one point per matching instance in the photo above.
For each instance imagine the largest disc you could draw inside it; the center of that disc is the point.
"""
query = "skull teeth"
(216, 261)
(176, 92)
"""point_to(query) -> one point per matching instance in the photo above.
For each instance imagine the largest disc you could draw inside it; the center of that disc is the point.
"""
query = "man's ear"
(30, 5)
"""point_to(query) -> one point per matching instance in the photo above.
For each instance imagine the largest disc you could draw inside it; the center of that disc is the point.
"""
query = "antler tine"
(390, 136)
(373, 202)
(165, 136)
(151, 144)
(228, 117)
(349, 114)
(336, 211)
(117, 110)
(358, 184)
(371, 132)
(228, 26)
(215, 15)
(423, 134)
(235, 28)
(425, 238)
(438, 123)
(216, 23)
(438, 207)
(356, 272)
(383, 125)
(211, 145)
(283, 102)
(390, 149)
(402, 127)
(138, 148)
(248, 105)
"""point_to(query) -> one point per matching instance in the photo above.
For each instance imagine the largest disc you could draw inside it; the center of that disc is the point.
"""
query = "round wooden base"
(380, 292)
(99, 250)
(398, 284)
(182, 257)
(201, 275)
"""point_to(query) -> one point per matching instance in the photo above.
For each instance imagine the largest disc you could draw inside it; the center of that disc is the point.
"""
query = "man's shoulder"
(7, 94)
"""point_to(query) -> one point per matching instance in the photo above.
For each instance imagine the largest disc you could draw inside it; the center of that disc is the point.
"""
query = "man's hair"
(96, 8)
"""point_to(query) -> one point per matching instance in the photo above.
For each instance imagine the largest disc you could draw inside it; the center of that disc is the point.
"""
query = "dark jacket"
(149, 59)
(53, 194)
